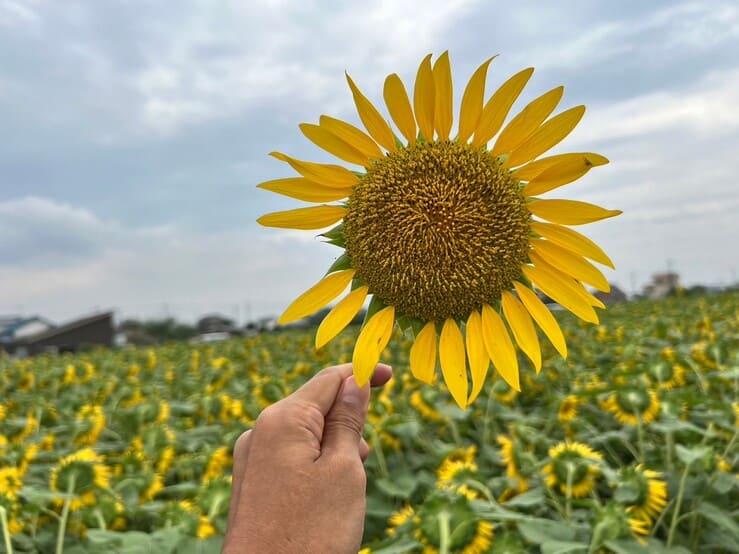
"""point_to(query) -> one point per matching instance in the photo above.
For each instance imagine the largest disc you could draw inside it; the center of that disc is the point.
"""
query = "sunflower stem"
(640, 437)
(377, 447)
(568, 491)
(65, 514)
(678, 505)
(670, 446)
(6, 530)
(444, 532)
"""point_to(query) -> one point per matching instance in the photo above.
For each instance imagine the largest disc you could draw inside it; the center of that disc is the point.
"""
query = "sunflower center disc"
(437, 230)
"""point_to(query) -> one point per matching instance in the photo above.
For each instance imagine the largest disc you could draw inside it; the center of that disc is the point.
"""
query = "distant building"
(615, 296)
(73, 336)
(215, 323)
(16, 328)
(662, 285)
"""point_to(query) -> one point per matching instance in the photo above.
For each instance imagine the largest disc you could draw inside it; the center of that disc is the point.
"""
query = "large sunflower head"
(447, 233)
(573, 469)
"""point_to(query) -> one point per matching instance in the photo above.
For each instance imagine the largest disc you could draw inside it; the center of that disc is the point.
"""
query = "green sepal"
(335, 235)
(341, 263)
(375, 305)
(409, 323)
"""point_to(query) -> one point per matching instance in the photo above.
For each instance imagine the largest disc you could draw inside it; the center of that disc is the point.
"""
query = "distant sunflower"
(650, 493)
(448, 235)
(632, 403)
(574, 466)
(80, 474)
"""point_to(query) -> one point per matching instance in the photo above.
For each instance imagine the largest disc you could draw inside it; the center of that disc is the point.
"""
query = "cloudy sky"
(135, 131)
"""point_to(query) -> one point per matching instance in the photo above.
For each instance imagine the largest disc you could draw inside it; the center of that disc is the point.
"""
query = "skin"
(298, 476)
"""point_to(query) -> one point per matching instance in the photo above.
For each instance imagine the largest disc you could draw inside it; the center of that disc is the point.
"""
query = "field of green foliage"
(631, 445)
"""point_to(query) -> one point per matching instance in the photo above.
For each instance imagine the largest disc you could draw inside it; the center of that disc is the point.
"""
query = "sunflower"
(574, 466)
(648, 493)
(510, 455)
(632, 403)
(568, 408)
(10, 482)
(447, 235)
(80, 474)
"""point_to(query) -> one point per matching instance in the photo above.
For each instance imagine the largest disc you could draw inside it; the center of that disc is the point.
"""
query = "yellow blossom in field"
(573, 469)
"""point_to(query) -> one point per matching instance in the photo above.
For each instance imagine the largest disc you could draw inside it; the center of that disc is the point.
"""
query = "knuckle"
(241, 444)
(344, 420)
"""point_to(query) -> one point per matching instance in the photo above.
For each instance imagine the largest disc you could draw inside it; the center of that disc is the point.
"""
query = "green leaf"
(560, 547)
(720, 517)
(691, 455)
(534, 497)
(335, 236)
(724, 482)
(542, 530)
(400, 485)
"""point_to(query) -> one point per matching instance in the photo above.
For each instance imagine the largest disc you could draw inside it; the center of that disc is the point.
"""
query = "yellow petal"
(569, 212)
(423, 99)
(576, 286)
(352, 136)
(499, 346)
(532, 170)
(372, 340)
(572, 240)
(340, 316)
(471, 108)
(561, 174)
(570, 264)
(443, 97)
(496, 109)
(301, 188)
(399, 107)
(562, 291)
(315, 217)
(373, 121)
(423, 354)
(476, 354)
(316, 297)
(453, 367)
(328, 175)
(522, 327)
(527, 121)
(551, 133)
(543, 317)
(333, 144)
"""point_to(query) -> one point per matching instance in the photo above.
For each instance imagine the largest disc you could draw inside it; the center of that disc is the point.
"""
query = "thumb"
(345, 420)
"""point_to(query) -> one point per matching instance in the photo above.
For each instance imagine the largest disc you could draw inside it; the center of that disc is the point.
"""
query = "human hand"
(298, 480)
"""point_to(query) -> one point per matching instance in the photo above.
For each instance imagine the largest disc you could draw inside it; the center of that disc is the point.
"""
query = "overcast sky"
(134, 133)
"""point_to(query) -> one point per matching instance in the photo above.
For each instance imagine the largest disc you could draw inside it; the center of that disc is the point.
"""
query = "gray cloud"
(137, 131)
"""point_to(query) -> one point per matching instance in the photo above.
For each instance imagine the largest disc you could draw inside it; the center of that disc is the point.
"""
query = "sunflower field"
(630, 445)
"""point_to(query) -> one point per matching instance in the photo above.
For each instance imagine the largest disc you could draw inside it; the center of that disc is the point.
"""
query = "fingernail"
(351, 393)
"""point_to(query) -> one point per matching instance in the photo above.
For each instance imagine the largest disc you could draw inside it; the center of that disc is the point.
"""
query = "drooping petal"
(315, 217)
(543, 317)
(471, 107)
(443, 97)
(423, 354)
(496, 109)
(476, 354)
(333, 144)
(570, 264)
(453, 366)
(399, 107)
(569, 212)
(328, 175)
(533, 169)
(340, 316)
(352, 136)
(572, 240)
(522, 327)
(576, 286)
(561, 174)
(372, 340)
(527, 121)
(424, 103)
(373, 121)
(549, 134)
(562, 291)
(316, 297)
(301, 188)
(500, 347)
